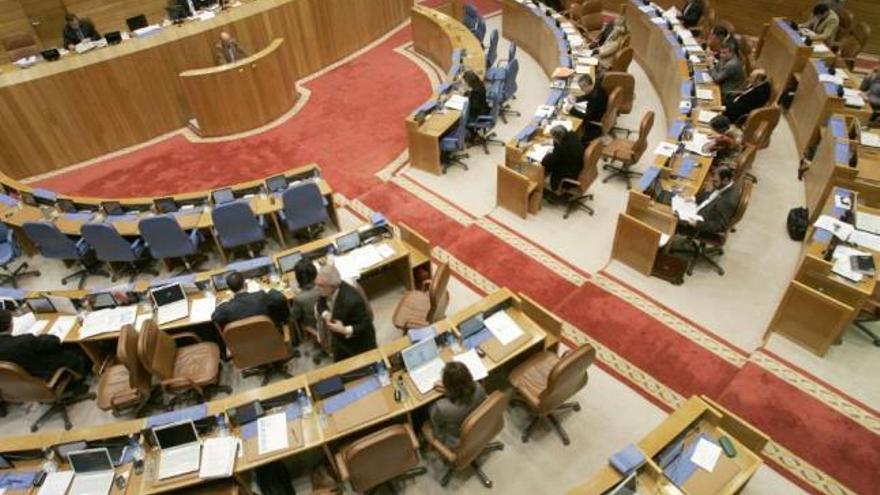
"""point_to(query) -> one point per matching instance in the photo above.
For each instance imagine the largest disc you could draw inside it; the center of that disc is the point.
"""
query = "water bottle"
(222, 427)
(137, 454)
(305, 405)
(50, 465)
(382, 373)
(402, 388)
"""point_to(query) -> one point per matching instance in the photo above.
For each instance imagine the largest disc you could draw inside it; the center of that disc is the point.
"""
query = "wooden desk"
(641, 231)
(244, 95)
(783, 54)
(707, 417)
(520, 188)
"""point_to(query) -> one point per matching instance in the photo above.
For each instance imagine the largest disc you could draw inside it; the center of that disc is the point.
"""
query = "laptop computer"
(93, 472)
(221, 196)
(180, 450)
(112, 208)
(40, 305)
(171, 303)
(276, 184)
(348, 242)
(287, 262)
(165, 205)
(102, 300)
(423, 363)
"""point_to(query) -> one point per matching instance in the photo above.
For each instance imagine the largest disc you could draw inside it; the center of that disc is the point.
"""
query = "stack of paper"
(666, 149)
(503, 327)
(853, 98)
(56, 483)
(272, 433)
(686, 209)
(218, 457)
(202, 309)
(474, 364)
(705, 94)
(26, 324)
(821, 48)
(706, 116)
(351, 264)
(456, 102)
(62, 326)
(841, 230)
(706, 454)
(107, 320)
(538, 152)
(843, 264)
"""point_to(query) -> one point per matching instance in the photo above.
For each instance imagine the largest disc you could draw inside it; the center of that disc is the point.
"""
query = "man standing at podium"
(228, 50)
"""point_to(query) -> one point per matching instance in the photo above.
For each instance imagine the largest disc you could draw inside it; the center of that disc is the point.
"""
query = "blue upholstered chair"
(508, 90)
(454, 143)
(480, 30)
(53, 244)
(304, 208)
(166, 240)
(483, 125)
(121, 255)
(9, 251)
(470, 16)
(492, 51)
(499, 72)
(236, 226)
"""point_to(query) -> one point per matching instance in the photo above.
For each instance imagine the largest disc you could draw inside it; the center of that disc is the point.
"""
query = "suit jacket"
(740, 105)
(719, 212)
(597, 103)
(477, 103)
(565, 161)
(871, 87)
(729, 75)
(246, 304)
(72, 37)
(350, 309)
(232, 52)
(691, 14)
(609, 48)
(825, 29)
(42, 355)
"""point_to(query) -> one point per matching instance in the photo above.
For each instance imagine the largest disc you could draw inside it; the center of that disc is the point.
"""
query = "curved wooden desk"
(242, 95)
(57, 114)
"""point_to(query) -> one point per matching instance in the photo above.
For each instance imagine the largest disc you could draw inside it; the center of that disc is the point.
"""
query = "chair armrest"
(178, 383)
(416, 324)
(137, 244)
(569, 183)
(262, 220)
(117, 401)
(189, 335)
(435, 442)
(59, 375)
(344, 475)
(412, 436)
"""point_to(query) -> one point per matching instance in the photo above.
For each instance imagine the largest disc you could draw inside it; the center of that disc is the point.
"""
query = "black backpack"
(797, 223)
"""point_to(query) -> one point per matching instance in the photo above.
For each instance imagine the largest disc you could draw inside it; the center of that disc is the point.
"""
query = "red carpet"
(821, 436)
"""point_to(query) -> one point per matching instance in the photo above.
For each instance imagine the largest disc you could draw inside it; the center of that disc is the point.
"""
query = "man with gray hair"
(566, 160)
(345, 314)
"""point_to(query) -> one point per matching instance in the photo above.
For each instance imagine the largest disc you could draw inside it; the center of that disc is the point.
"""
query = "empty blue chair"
(508, 90)
(480, 30)
(115, 250)
(166, 240)
(236, 226)
(9, 251)
(454, 143)
(304, 209)
(483, 125)
(53, 244)
(499, 72)
(470, 16)
(492, 51)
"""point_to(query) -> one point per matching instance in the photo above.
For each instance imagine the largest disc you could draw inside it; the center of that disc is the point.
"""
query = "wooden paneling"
(13, 20)
(47, 18)
(60, 113)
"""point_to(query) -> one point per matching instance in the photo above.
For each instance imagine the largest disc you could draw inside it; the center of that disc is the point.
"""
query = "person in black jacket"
(691, 13)
(77, 30)
(477, 102)
(567, 158)
(756, 94)
(346, 315)
(597, 102)
(717, 204)
(245, 304)
(40, 355)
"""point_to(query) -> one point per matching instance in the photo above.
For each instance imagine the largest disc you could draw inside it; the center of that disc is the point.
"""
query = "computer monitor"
(276, 184)
(112, 208)
(219, 280)
(347, 242)
(136, 22)
(167, 295)
(287, 262)
(27, 198)
(102, 300)
(40, 305)
(420, 353)
(65, 205)
(113, 37)
(165, 205)
(221, 196)
(175, 435)
(328, 387)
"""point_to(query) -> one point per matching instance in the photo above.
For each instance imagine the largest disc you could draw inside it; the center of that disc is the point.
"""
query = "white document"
(22, 324)
(456, 102)
(844, 202)
(843, 265)
(62, 326)
(503, 327)
(272, 433)
(544, 111)
(63, 305)
(854, 101)
(697, 144)
(865, 240)
(666, 149)
(347, 266)
(366, 257)
(474, 364)
(539, 151)
(588, 61)
(385, 251)
(253, 286)
(828, 78)
(706, 454)
(218, 457)
(868, 222)
(107, 320)
(870, 139)
(582, 69)
(706, 116)
(820, 48)
(202, 309)
(664, 238)
(840, 229)
(685, 208)
(56, 483)
(705, 94)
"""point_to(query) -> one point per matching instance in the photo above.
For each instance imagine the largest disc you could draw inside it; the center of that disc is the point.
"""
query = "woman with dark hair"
(462, 395)
(477, 102)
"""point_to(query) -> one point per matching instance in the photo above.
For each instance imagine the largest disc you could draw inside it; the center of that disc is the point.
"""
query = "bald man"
(344, 312)
(756, 94)
(227, 50)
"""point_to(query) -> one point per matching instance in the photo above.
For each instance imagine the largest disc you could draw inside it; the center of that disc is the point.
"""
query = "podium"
(240, 96)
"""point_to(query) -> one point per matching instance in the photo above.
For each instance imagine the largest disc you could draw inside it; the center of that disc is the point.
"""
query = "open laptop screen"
(168, 295)
(416, 355)
(89, 461)
(348, 242)
(176, 435)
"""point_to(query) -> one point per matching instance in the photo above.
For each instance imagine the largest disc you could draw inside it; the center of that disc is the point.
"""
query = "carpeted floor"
(352, 125)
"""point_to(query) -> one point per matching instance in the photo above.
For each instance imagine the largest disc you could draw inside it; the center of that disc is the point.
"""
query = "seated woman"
(461, 396)
(608, 50)
(726, 141)
(477, 102)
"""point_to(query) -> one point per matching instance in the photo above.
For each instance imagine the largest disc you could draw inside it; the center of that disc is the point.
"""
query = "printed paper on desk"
(347, 267)
(62, 327)
(22, 324)
(564, 123)
(456, 102)
(685, 208)
(385, 251)
(865, 240)
(503, 327)
(473, 363)
(828, 78)
(665, 149)
(821, 48)
(272, 433)
(218, 457)
(706, 116)
(202, 309)
(705, 94)
(538, 152)
(870, 139)
(706, 454)
(840, 229)
(56, 483)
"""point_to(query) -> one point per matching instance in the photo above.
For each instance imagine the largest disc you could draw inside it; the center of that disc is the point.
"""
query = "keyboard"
(92, 484)
(172, 312)
(425, 377)
(179, 460)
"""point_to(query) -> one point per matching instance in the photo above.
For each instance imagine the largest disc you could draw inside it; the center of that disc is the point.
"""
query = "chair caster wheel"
(525, 439)
(487, 484)
(566, 442)
(577, 408)
(67, 425)
(33, 429)
(37, 273)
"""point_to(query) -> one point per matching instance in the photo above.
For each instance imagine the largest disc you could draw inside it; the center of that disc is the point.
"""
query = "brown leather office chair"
(627, 152)
(705, 247)
(573, 193)
(847, 22)
(609, 118)
(17, 385)
(752, 125)
(851, 45)
(419, 308)
(744, 161)
(591, 7)
(622, 59)
(627, 84)
(544, 382)
(381, 458)
(125, 387)
(182, 371)
(20, 45)
(591, 25)
(477, 432)
(257, 347)
(870, 313)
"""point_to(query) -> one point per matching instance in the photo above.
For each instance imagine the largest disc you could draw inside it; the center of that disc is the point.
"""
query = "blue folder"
(526, 133)
(16, 294)
(687, 89)
(565, 61)
(555, 96)
(628, 459)
(676, 129)
(417, 335)
(682, 468)
(477, 339)
(838, 128)
(17, 481)
(46, 194)
(841, 152)
(193, 413)
(354, 394)
(686, 168)
(648, 178)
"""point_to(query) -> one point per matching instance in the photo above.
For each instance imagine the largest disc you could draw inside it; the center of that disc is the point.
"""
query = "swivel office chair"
(51, 243)
(17, 385)
(113, 249)
(381, 458)
(304, 209)
(9, 252)
(453, 144)
(258, 347)
(166, 240)
(236, 226)
(125, 387)
(419, 308)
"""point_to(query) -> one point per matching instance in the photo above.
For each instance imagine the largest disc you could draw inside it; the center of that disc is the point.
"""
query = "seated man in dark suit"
(717, 204)
(755, 95)
(691, 13)
(245, 304)
(345, 314)
(597, 102)
(41, 355)
(567, 158)
(77, 30)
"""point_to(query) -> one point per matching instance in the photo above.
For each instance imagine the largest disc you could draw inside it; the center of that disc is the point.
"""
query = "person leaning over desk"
(754, 95)
(77, 30)
(716, 205)
(228, 50)
(597, 102)
(345, 315)
(461, 395)
(39, 355)
(566, 160)
(245, 304)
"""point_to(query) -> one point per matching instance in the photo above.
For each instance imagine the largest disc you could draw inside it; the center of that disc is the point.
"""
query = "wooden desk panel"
(781, 56)
(521, 25)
